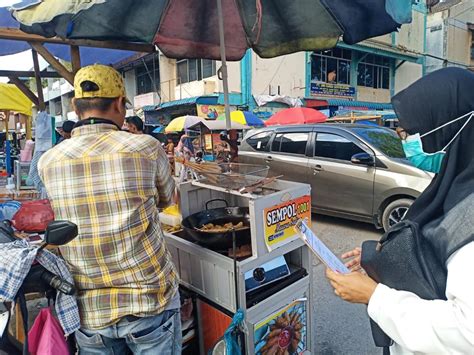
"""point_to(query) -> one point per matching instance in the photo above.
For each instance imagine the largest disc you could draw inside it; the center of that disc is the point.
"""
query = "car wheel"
(395, 212)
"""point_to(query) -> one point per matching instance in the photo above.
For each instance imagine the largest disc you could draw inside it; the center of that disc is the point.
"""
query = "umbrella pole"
(225, 78)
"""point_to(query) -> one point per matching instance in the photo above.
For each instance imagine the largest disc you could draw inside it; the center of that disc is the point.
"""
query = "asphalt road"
(341, 328)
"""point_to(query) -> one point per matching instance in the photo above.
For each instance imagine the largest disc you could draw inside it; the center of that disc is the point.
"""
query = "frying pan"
(218, 216)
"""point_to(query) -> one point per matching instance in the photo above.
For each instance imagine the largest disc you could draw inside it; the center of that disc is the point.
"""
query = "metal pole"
(225, 78)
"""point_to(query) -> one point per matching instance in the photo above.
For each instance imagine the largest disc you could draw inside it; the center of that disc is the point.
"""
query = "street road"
(341, 328)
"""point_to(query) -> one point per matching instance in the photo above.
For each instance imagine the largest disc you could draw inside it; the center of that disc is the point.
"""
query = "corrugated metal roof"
(205, 100)
(369, 105)
(149, 108)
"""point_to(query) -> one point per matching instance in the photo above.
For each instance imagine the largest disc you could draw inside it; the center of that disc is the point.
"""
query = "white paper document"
(320, 249)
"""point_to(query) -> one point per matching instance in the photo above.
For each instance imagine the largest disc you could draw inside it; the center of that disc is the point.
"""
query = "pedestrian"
(66, 130)
(418, 287)
(231, 140)
(111, 183)
(170, 147)
(134, 124)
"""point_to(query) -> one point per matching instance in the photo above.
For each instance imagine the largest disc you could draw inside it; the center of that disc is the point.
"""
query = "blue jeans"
(160, 334)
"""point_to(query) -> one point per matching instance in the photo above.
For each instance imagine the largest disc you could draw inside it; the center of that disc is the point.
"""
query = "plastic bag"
(33, 216)
(46, 336)
(43, 132)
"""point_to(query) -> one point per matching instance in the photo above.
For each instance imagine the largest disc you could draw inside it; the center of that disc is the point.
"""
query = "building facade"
(450, 35)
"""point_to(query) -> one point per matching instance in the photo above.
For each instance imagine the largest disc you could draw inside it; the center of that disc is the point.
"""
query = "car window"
(260, 140)
(385, 140)
(333, 146)
(291, 143)
(276, 143)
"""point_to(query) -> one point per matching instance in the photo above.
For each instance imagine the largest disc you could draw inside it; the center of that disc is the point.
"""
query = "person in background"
(185, 147)
(169, 147)
(66, 130)
(134, 124)
(437, 116)
(231, 141)
(332, 76)
(111, 184)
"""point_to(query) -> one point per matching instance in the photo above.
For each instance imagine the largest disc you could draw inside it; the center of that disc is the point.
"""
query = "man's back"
(109, 183)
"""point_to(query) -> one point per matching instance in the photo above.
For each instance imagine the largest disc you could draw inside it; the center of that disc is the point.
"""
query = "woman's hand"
(354, 287)
(354, 264)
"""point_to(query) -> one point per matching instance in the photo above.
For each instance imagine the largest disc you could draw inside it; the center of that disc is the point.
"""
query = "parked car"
(355, 171)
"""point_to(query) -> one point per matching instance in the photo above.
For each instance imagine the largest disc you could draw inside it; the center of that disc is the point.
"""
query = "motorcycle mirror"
(60, 233)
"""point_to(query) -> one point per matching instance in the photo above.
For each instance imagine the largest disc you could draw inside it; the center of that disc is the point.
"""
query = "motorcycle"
(38, 280)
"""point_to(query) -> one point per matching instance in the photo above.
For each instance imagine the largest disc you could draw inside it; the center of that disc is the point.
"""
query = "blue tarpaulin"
(88, 55)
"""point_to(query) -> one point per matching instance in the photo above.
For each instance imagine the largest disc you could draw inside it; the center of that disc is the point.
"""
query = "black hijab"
(427, 104)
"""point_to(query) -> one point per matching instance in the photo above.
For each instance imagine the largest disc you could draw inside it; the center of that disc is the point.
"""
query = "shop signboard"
(283, 331)
(332, 90)
(280, 220)
(210, 112)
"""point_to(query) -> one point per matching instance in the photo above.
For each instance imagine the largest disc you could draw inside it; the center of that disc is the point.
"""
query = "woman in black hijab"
(421, 291)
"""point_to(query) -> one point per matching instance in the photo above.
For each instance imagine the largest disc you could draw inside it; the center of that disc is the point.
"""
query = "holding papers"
(320, 249)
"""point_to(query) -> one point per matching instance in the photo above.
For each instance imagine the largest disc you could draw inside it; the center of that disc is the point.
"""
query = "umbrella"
(182, 123)
(190, 28)
(196, 28)
(296, 115)
(220, 125)
(159, 129)
(245, 118)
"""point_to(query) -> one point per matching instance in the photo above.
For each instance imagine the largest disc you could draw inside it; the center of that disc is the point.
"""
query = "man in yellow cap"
(110, 183)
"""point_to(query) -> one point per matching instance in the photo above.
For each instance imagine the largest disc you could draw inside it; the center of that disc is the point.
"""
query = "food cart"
(266, 272)
(210, 135)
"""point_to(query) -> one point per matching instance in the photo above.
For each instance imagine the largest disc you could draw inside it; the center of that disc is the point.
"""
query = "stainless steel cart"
(211, 275)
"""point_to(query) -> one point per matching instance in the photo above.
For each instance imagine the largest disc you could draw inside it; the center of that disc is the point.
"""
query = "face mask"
(431, 162)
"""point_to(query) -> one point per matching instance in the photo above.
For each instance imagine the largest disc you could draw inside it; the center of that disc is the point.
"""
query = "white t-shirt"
(419, 326)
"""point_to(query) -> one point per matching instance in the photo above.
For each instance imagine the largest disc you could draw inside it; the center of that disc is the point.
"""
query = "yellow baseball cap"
(108, 83)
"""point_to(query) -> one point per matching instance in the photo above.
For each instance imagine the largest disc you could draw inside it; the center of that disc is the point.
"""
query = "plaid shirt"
(110, 183)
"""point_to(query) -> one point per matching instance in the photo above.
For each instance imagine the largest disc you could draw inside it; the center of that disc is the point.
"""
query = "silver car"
(355, 171)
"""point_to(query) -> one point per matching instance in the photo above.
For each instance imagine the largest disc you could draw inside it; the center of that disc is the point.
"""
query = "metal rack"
(211, 274)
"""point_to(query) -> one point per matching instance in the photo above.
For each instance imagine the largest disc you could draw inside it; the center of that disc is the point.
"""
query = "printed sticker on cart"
(279, 221)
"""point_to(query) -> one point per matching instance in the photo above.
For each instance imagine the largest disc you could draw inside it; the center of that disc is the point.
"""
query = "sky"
(19, 61)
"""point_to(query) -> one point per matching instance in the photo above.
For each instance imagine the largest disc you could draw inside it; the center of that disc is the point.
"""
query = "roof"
(365, 104)
(200, 100)
(221, 125)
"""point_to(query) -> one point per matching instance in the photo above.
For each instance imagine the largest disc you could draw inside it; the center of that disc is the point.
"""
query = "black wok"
(218, 216)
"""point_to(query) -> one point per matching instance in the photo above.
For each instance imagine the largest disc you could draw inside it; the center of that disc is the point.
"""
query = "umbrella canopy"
(182, 123)
(220, 125)
(245, 118)
(296, 115)
(12, 99)
(190, 28)
(159, 129)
